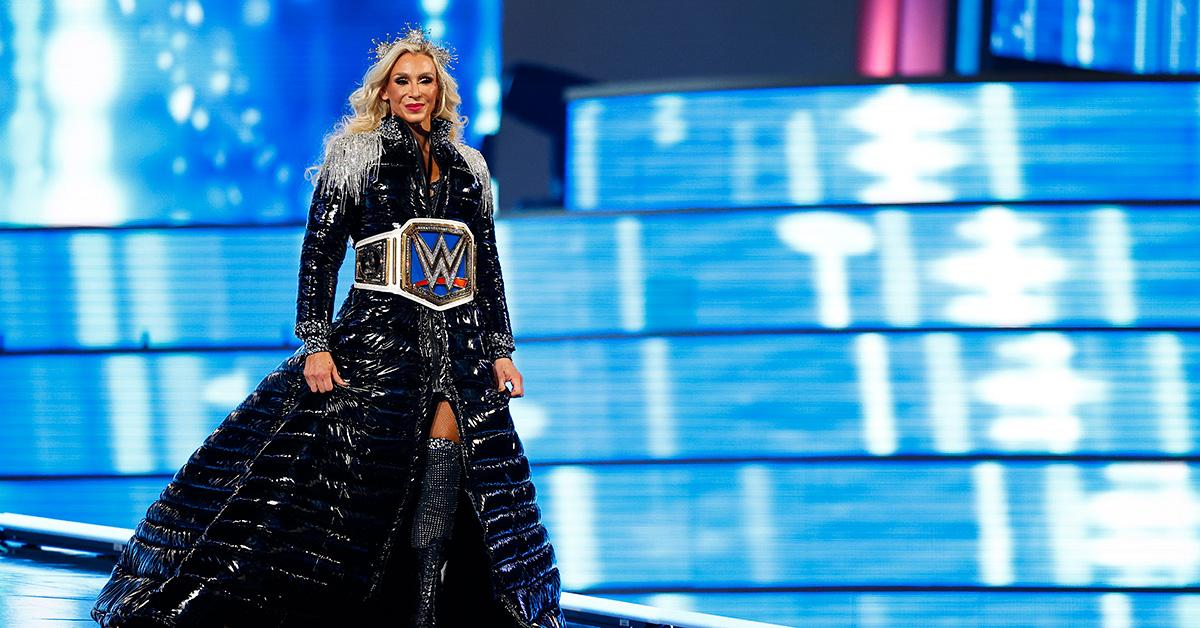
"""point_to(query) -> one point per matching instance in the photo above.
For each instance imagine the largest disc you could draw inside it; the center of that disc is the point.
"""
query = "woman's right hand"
(321, 373)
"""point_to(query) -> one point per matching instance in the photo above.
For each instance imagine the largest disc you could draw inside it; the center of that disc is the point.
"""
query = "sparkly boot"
(433, 522)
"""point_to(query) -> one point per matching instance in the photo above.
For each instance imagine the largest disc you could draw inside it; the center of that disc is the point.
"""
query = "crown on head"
(443, 54)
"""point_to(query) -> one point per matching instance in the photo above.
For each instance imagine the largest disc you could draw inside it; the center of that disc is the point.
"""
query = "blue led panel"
(654, 272)
(733, 525)
(1138, 36)
(984, 142)
(199, 112)
(701, 397)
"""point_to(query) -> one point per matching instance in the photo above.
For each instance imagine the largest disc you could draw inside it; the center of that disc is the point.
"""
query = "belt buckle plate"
(428, 260)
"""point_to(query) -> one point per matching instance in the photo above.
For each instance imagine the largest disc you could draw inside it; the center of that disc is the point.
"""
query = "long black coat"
(297, 509)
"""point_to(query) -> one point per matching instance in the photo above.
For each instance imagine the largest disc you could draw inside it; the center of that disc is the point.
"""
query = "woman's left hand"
(506, 371)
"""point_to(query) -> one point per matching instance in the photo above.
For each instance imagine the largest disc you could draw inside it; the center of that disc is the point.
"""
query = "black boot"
(433, 522)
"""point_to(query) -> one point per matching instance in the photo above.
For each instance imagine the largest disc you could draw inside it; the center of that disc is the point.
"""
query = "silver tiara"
(444, 54)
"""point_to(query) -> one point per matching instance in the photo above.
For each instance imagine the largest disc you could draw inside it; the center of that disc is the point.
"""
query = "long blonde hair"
(368, 109)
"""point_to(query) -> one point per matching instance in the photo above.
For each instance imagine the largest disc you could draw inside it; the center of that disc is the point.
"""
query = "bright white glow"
(758, 522)
(571, 517)
(93, 287)
(1186, 610)
(1144, 528)
(1114, 264)
(1085, 33)
(585, 175)
(179, 103)
(905, 150)
(997, 118)
(434, 7)
(875, 391)
(1037, 393)
(670, 127)
(898, 269)
(127, 390)
(225, 390)
(86, 58)
(218, 83)
(1165, 355)
(194, 13)
(948, 404)
(86, 198)
(631, 272)
(995, 548)
(487, 92)
(1116, 611)
(530, 418)
(1010, 279)
(829, 238)
(803, 170)
(200, 119)
(662, 441)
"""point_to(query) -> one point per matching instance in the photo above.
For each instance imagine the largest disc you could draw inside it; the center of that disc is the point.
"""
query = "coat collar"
(395, 128)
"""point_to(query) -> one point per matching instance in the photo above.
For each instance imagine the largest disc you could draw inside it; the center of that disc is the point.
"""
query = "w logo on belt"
(428, 260)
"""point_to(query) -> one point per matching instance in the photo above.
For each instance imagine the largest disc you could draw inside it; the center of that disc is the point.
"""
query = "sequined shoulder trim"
(479, 168)
(351, 161)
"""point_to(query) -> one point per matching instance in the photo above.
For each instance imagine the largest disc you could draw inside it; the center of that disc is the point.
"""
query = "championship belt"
(428, 260)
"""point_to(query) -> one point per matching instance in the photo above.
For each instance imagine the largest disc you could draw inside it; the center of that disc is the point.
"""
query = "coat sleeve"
(498, 337)
(321, 256)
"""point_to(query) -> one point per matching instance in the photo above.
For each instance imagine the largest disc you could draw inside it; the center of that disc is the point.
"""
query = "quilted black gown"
(297, 509)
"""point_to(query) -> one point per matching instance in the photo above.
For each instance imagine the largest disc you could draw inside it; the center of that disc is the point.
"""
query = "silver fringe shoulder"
(479, 168)
(351, 161)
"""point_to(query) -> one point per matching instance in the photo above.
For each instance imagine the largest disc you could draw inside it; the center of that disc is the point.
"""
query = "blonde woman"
(375, 476)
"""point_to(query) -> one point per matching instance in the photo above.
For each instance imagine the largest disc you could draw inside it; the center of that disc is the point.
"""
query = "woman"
(383, 450)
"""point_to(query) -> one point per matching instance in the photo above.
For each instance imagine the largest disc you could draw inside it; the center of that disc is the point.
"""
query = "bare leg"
(434, 517)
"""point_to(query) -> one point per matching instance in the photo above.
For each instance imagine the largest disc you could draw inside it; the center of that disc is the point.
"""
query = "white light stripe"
(584, 170)
(875, 394)
(1116, 611)
(1139, 38)
(1165, 356)
(26, 128)
(1029, 28)
(149, 287)
(804, 173)
(948, 405)
(898, 269)
(1085, 33)
(630, 274)
(1000, 139)
(1065, 513)
(662, 441)
(758, 523)
(93, 288)
(995, 549)
(185, 425)
(572, 500)
(1114, 264)
(126, 385)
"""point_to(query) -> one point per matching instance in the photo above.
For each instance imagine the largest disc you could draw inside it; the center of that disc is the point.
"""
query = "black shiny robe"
(297, 509)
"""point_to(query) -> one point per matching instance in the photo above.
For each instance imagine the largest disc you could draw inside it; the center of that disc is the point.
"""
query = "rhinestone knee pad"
(434, 517)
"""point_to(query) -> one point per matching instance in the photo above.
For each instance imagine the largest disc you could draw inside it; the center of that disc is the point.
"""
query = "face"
(412, 89)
